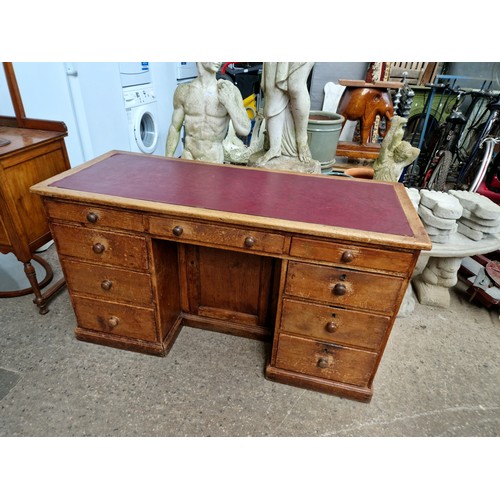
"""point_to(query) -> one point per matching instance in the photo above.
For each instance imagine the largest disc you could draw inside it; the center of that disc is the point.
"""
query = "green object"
(323, 132)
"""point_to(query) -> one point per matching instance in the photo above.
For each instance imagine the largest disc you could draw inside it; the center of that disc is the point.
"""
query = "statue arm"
(230, 98)
(396, 132)
(174, 131)
(391, 140)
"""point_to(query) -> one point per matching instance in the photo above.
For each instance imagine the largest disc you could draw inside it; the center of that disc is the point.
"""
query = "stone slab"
(485, 222)
(480, 227)
(428, 217)
(443, 205)
(414, 195)
(478, 204)
(473, 234)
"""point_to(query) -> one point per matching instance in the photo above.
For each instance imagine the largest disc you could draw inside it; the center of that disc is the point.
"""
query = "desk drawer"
(334, 325)
(116, 319)
(354, 256)
(108, 283)
(342, 364)
(343, 287)
(104, 247)
(94, 216)
(196, 232)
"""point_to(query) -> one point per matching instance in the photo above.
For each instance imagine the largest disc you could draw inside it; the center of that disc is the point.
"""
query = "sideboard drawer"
(352, 255)
(342, 364)
(109, 283)
(195, 232)
(104, 247)
(94, 216)
(343, 286)
(116, 319)
(333, 324)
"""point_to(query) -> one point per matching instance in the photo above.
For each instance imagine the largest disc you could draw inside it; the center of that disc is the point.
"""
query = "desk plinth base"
(162, 348)
(130, 344)
(363, 394)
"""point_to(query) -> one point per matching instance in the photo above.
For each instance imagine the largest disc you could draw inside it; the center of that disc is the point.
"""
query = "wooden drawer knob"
(177, 230)
(347, 256)
(322, 363)
(113, 321)
(98, 248)
(249, 241)
(339, 289)
(92, 217)
(330, 327)
(106, 285)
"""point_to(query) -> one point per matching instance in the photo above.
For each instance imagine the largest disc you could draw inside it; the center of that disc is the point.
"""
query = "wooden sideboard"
(29, 157)
(317, 265)
(31, 150)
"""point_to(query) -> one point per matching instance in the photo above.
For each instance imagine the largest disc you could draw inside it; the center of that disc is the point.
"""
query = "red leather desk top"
(363, 205)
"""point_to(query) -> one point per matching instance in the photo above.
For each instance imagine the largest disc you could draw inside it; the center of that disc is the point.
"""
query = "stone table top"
(461, 246)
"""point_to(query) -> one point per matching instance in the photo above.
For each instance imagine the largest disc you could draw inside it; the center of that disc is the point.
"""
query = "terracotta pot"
(360, 172)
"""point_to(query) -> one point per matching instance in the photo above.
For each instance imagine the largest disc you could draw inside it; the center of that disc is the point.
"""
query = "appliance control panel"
(138, 97)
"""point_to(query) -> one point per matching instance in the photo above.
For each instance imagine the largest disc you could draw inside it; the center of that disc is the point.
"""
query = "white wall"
(88, 98)
(163, 75)
(324, 72)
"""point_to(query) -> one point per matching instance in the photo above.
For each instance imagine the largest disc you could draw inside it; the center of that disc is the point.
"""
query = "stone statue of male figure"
(205, 107)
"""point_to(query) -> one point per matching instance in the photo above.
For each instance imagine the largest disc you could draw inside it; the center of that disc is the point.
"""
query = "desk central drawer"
(197, 232)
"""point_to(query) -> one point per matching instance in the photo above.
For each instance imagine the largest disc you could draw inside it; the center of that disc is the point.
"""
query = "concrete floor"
(439, 377)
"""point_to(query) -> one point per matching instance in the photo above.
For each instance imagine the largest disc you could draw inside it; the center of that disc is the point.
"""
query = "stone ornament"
(459, 224)
(395, 154)
(480, 217)
(286, 111)
(205, 107)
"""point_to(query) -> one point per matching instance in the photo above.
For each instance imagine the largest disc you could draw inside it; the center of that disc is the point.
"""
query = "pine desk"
(317, 265)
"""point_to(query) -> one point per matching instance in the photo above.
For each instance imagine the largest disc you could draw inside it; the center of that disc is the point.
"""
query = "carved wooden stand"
(365, 102)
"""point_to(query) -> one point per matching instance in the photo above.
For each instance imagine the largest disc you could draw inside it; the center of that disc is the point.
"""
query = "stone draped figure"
(286, 112)
(205, 107)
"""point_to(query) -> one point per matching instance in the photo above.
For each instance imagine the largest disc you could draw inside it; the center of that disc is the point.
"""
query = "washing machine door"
(146, 131)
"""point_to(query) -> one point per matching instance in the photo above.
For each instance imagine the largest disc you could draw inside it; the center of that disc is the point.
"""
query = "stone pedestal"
(440, 273)
(433, 285)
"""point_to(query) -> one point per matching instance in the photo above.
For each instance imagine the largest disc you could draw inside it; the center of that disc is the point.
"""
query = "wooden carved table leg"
(36, 287)
(39, 300)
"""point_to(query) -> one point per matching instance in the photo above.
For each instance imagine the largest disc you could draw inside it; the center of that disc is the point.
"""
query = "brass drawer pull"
(322, 363)
(98, 248)
(347, 256)
(339, 289)
(106, 285)
(113, 321)
(249, 241)
(177, 230)
(330, 327)
(92, 217)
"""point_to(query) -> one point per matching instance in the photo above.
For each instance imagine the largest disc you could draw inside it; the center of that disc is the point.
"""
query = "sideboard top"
(23, 138)
(280, 200)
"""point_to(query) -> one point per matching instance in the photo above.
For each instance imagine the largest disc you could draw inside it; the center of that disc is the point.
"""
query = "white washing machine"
(142, 109)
